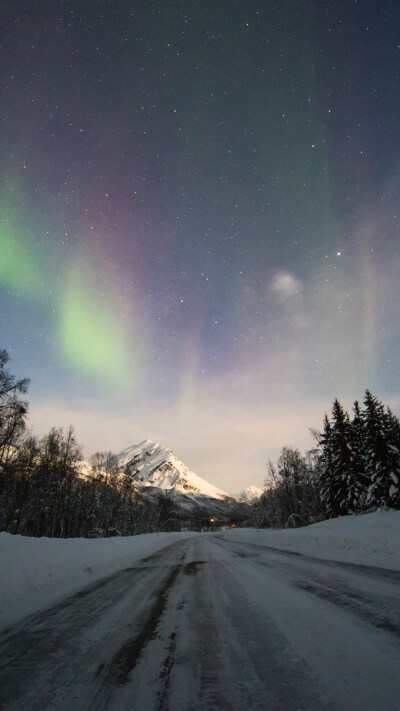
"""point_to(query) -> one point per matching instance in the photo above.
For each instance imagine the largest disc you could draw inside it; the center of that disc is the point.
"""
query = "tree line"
(45, 492)
(354, 468)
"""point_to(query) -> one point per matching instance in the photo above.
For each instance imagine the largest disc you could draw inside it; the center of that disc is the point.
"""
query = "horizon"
(199, 458)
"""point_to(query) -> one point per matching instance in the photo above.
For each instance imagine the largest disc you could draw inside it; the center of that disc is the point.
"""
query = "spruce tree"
(383, 456)
(342, 479)
(343, 483)
(358, 482)
(326, 488)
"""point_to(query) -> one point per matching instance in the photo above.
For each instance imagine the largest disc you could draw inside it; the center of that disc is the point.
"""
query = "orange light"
(212, 520)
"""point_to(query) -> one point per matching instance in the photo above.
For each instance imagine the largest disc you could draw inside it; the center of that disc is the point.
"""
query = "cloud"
(285, 286)
(287, 292)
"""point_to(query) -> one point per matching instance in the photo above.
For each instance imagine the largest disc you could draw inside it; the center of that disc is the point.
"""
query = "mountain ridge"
(151, 464)
(156, 471)
(250, 494)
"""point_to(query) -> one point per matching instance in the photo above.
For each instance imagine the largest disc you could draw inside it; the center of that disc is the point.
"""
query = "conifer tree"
(342, 477)
(326, 489)
(358, 482)
(382, 453)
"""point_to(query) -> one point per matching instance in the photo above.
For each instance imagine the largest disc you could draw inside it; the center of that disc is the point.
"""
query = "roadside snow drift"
(38, 572)
(368, 539)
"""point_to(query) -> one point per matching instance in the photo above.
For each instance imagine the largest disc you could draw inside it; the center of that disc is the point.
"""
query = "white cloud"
(284, 286)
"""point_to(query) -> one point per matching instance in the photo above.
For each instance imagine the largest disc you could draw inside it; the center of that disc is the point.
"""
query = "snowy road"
(210, 623)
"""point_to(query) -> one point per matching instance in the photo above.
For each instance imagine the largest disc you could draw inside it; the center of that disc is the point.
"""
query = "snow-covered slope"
(38, 572)
(367, 539)
(252, 493)
(151, 464)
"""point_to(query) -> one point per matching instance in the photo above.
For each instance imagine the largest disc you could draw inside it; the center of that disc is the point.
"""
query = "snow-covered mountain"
(155, 470)
(151, 464)
(252, 493)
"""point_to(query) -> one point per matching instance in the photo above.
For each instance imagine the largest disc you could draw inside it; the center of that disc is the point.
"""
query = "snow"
(213, 623)
(250, 494)
(154, 465)
(38, 572)
(368, 539)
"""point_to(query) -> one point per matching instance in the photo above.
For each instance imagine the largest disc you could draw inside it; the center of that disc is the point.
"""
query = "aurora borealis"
(199, 220)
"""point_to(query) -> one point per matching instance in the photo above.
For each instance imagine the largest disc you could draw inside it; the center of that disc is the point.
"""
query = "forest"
(44, 491)
(354, 468)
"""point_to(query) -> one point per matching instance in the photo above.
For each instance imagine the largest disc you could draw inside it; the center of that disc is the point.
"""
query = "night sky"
(199, 219)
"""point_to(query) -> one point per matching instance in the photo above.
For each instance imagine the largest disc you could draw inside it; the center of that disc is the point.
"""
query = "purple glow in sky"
(199, 220)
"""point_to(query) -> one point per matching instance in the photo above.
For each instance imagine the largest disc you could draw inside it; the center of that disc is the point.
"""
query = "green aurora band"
(18, 270)
(91, 337)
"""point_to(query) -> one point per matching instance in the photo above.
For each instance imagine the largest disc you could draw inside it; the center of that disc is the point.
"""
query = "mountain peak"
(151, 464)
(252, 493)
(147, 443)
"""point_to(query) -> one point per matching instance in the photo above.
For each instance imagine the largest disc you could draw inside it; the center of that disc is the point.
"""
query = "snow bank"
(369, 539)
(37, 572)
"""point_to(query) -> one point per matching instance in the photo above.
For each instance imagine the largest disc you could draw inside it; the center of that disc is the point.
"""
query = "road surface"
(210, 623)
